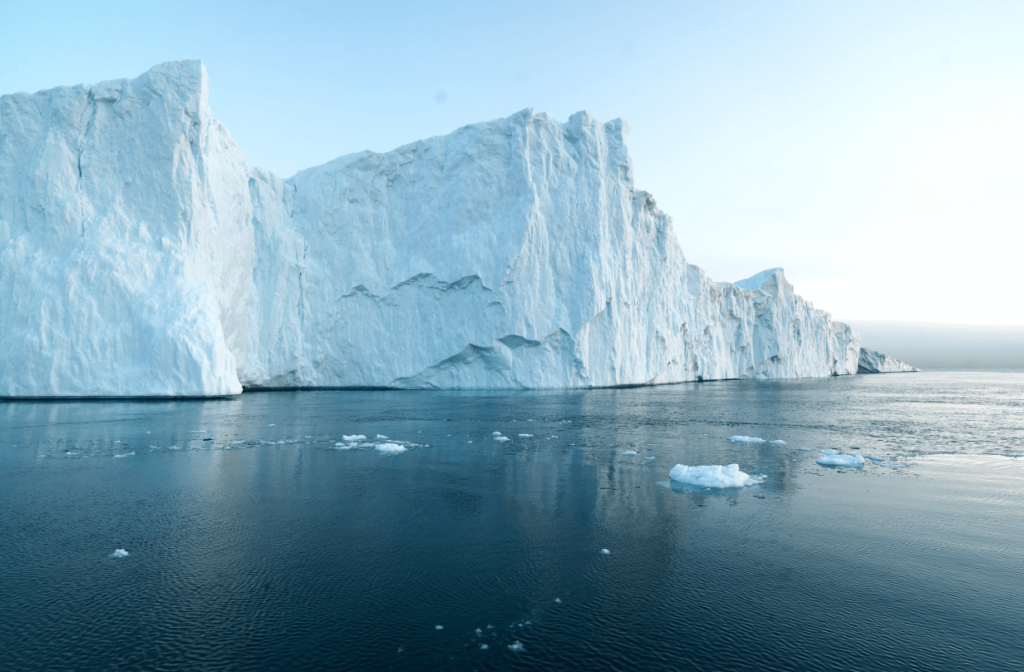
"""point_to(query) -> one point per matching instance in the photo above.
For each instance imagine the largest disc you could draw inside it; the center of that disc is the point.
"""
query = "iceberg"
(140, 255)
(872, 361)
(713, 476)
(745, 439)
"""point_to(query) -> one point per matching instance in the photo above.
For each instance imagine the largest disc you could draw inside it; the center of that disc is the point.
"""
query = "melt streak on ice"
(141, 255)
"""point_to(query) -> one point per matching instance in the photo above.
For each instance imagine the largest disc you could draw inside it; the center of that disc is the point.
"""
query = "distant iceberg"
(515, 253)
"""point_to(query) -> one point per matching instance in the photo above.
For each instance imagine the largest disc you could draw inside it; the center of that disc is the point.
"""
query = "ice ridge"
(141, 256)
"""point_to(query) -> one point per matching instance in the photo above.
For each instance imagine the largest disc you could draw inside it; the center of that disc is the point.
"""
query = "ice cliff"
(140, 255)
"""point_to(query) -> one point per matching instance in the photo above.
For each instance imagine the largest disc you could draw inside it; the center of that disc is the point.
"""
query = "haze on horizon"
(875, 152)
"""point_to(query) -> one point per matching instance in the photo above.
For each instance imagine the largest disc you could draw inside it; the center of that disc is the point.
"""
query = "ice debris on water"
(875, 458)
(777, 442)
(353, 437)
(806, 449)
(516, 646)
(382, 437)
(558, 600)
(605, 551)
(502, 438)
(841, 461)
(125, 454)
(390, 448)
(478, 632)
(713, 476)
(119, 553)
(828, 451)
(893, 466)
(745, 439)
(629, 452)
(526, 436)
(648, 458)
(495, 433)
(438, 627)
(271, 425)
(484, 647)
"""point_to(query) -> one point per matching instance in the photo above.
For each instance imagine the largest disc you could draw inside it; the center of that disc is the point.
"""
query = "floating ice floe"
(502, 438)
(605, 551)
(354, 437)
(629, 452)
(125, 454)
(841, 461)
(558, 600)
(478, 632)
(271, 425)
(516, 646)
(438, 627)
(777, 442)
(745, 439)
(875, 458)
(713, 476)
(526, 436)
(495, 433)
(828, 451)
(893, 466)
(119, 553)
(390, 448)
(648, 458)
(235, 443)
(806, 449)
(382, 437)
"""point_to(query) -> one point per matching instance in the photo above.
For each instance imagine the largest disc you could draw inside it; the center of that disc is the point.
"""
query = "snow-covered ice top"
(140, 255)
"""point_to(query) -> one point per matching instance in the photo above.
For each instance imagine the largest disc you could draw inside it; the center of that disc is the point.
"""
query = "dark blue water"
(267, 547)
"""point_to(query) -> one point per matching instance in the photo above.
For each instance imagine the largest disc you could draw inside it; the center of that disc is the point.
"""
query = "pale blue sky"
(873, 150)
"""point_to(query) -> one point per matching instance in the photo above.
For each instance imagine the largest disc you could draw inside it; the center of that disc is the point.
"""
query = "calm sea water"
(256, 543)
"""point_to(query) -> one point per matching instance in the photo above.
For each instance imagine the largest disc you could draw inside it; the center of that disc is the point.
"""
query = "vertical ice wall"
(139, 255)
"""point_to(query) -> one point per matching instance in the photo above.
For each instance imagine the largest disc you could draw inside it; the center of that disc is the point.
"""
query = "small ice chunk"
(526, 436)
(381, 436)
(745, 439)
(828, 451)
(605, 551)
(271, 425)
(470, 441)
(806, 449)
(125, 454)
(495, 433)
(390, 448)
(502, 438)
(629, 452)
(119, 553)
(338, 444)
(713, 476)
(558, 600)
(353, 437)
(841, 461)
(648, 458)
(484, 647)
(235, 443)
(308, 436)
(875, 458)
(777, 442)
(893, 466)
(479, 632)
(438, 627)
(516, 646)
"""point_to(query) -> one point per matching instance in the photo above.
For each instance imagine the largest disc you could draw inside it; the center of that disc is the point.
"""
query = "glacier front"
(141, 256)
